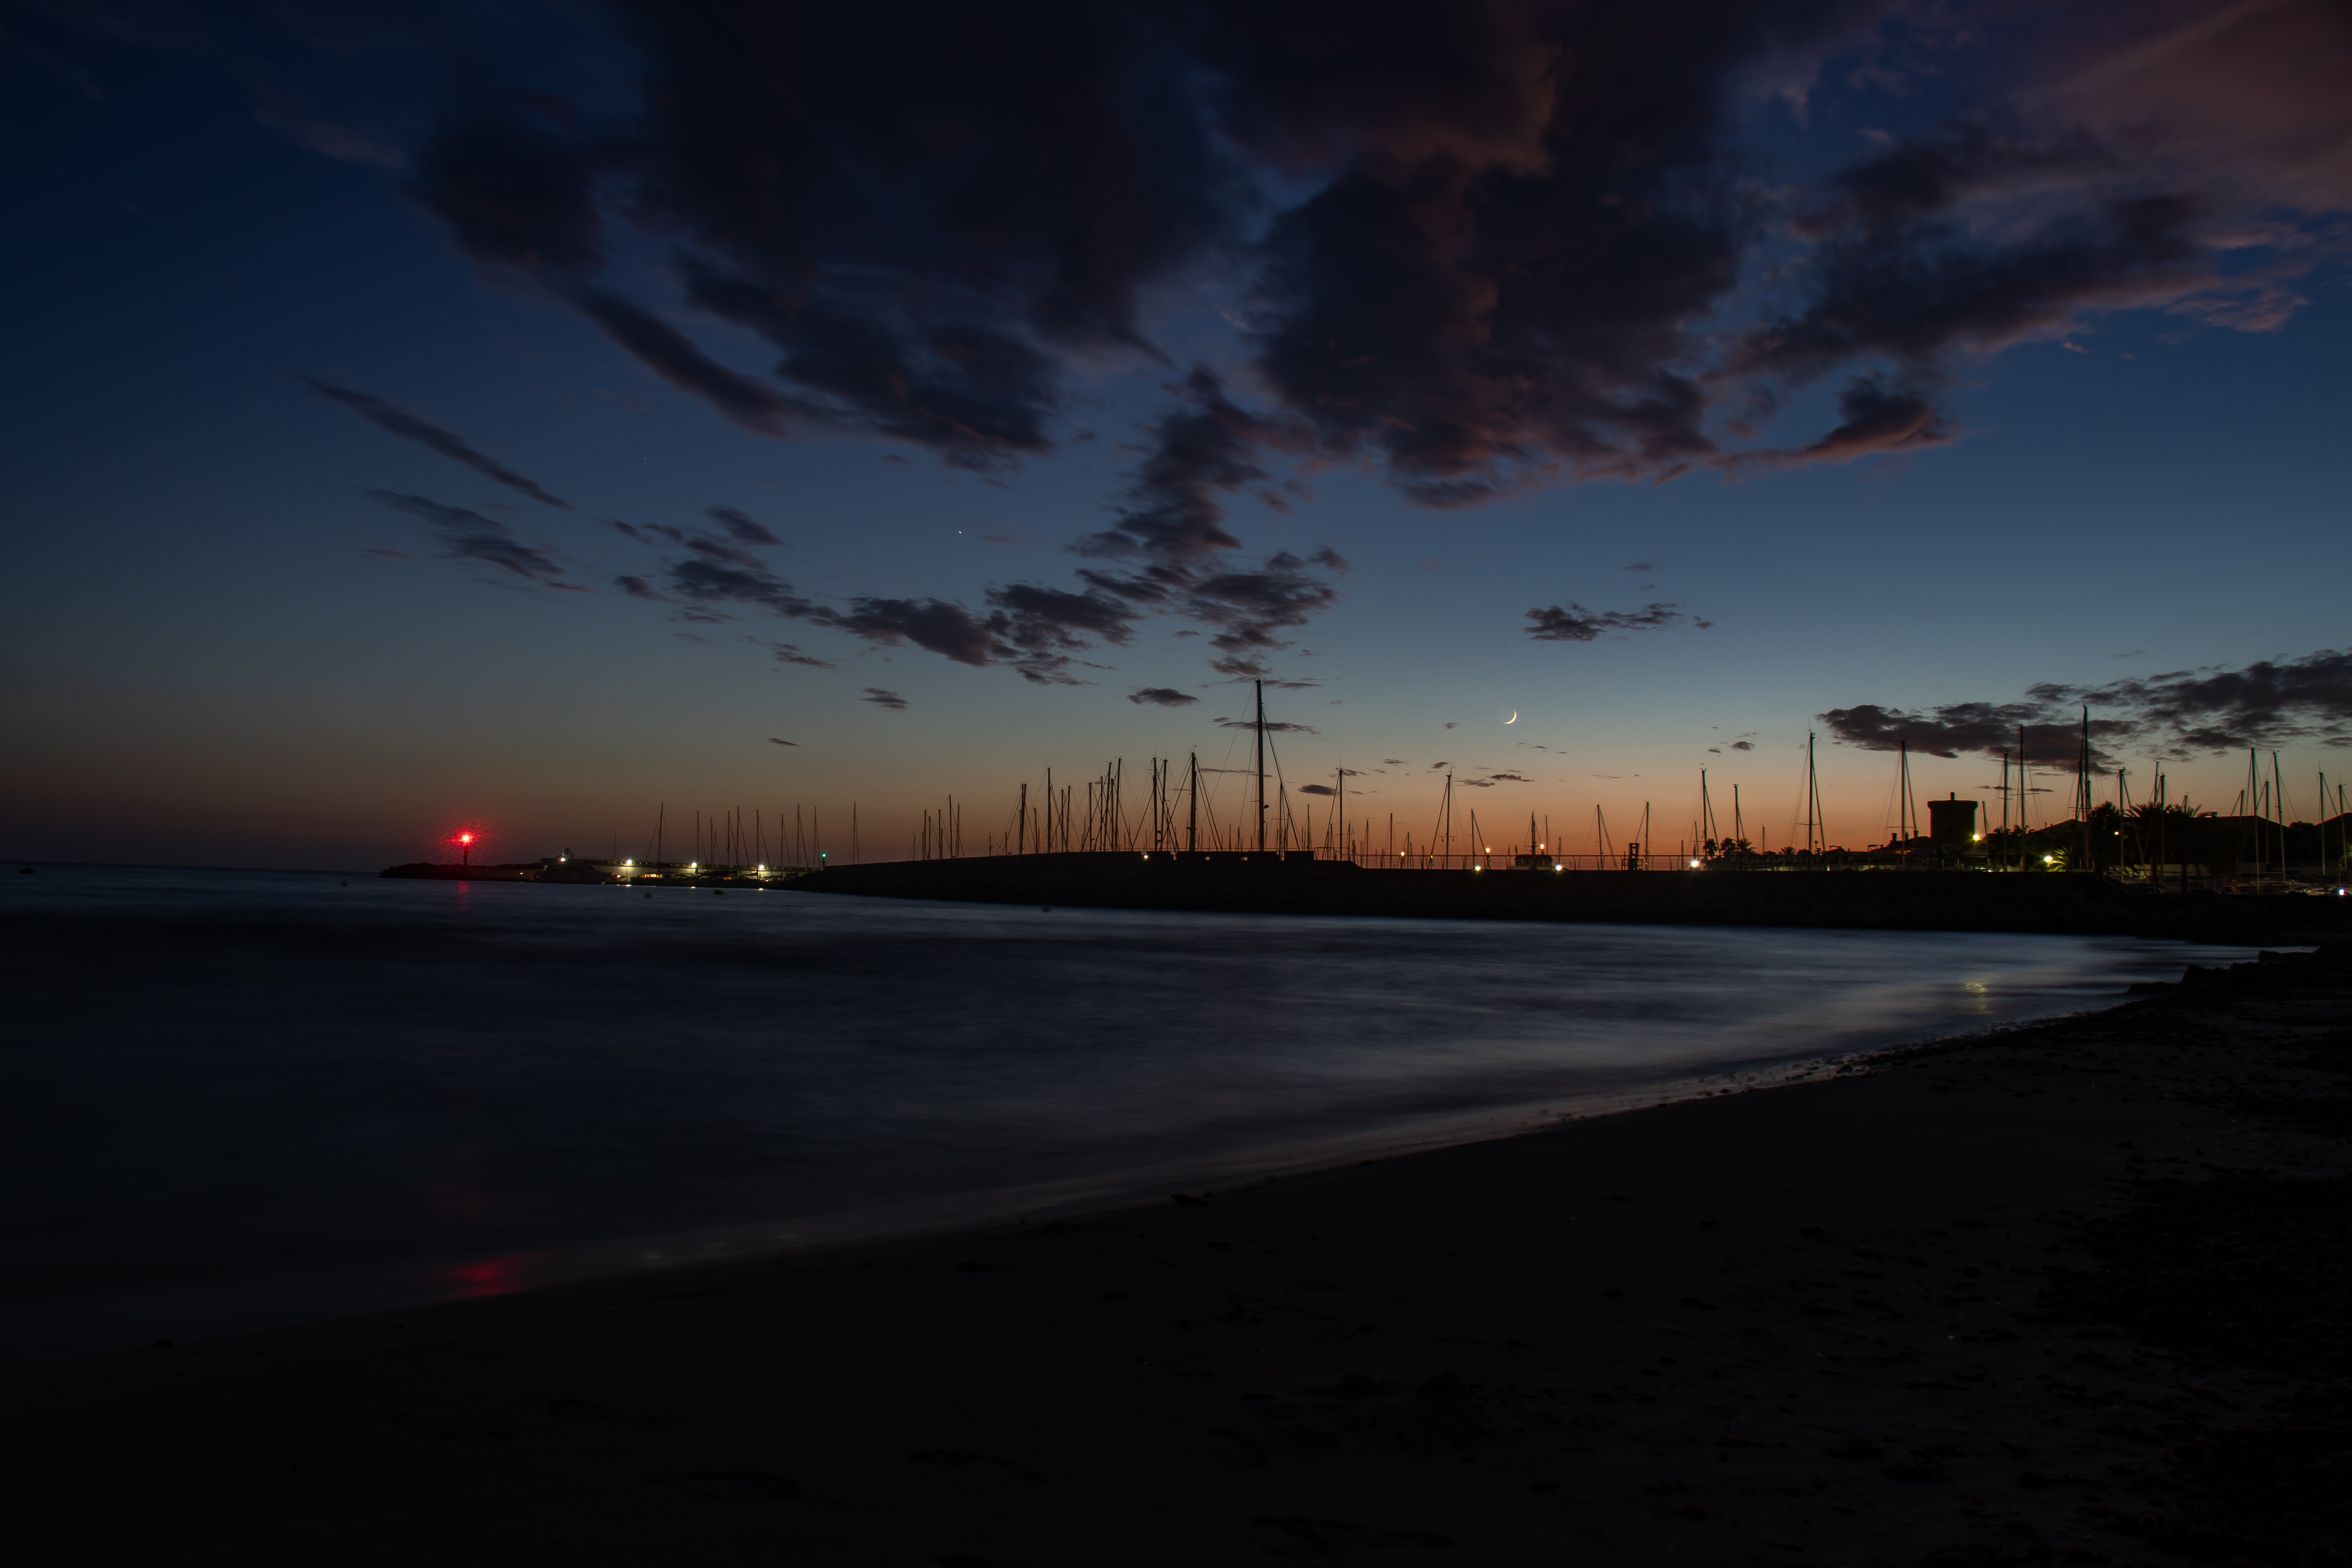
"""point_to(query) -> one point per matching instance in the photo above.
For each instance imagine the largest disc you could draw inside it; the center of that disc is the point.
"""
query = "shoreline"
(669, 1255)
(1669, 1331)
(2026, 904)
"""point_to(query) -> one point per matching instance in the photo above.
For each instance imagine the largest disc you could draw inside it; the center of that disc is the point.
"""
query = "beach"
(1854, 1320)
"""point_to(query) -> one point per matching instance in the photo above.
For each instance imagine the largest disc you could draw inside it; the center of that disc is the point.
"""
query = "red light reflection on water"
(491, 1276)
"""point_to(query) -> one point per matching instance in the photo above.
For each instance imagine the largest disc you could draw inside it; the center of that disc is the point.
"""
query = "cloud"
(883, 699)
(1481, 249)
(1272, 726)
(639, 588)
(398, 421)
(739, 525)
(2267, 703)
(1481, 246)
(385, 554)
(1875, 417)
(774, 742)
(1393, 762)
(1642, 567)
(1170, 536)
(789, 653)
(1162, 697)
(1577, 624)
(1743, 745)
(466, 535)
(670, 354)
(1317, 789)
(1033, 629)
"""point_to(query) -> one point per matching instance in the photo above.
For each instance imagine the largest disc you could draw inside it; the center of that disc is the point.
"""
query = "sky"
(543, 416)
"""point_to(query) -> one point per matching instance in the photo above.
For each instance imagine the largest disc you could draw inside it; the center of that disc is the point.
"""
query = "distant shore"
(2057, 1294)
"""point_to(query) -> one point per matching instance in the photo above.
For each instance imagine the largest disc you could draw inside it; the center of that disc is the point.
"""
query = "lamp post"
(466, 849)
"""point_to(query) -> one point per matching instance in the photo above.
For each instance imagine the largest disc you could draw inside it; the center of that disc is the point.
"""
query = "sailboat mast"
(1261, 766)
(1192, 808)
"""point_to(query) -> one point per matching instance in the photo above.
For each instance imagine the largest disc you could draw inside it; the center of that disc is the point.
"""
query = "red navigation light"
(465, 838)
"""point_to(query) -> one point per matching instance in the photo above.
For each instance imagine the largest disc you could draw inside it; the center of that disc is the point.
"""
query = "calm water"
(238, 1098)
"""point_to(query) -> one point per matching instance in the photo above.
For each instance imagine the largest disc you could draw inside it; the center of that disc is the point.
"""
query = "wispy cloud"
(398, 421)
(1577, 624)
(466, 535)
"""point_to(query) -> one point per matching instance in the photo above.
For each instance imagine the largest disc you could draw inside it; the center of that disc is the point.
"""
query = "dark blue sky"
(422, 412)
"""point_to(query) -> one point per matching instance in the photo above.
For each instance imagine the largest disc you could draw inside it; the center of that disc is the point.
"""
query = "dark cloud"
(1172, 534)
(675, 357)
(2266, 703)
(1874, 418)
(1393, 762)
(1034, 630)
(1164, 697)
(883, 699)
(1165, 543)
(1272, 726)
(1317, 789)
(774, 742)
(1577, 624)
(740, 526)
(1642, 567)
(399, 422)
(1509, 778)
(466, 535)
(639, 588)
(920, 210)
(1983, 729)
(1172, 517)
(1743, 745)
(789, 653)
(1483, 246)
(385, 554)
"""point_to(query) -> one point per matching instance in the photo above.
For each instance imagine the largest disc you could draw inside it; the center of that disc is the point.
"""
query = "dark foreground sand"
(1826, 1324)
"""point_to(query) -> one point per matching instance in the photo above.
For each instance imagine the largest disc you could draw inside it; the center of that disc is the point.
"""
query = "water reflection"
(238, 1090)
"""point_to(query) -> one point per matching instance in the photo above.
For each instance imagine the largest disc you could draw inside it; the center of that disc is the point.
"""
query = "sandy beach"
(2072, 1292)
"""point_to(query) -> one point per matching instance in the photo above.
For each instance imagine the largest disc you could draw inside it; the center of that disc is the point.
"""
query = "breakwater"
(1867, 901)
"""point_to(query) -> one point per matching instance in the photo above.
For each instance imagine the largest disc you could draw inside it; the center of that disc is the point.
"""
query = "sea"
(242, 1099)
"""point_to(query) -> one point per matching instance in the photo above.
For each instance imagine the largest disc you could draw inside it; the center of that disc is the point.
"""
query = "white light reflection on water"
(242, 1097)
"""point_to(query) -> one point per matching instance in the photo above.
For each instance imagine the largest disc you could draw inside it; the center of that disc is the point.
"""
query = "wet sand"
(1799, 1325)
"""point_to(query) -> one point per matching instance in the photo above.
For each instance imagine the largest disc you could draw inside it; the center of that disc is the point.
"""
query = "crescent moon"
(1513, 718)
